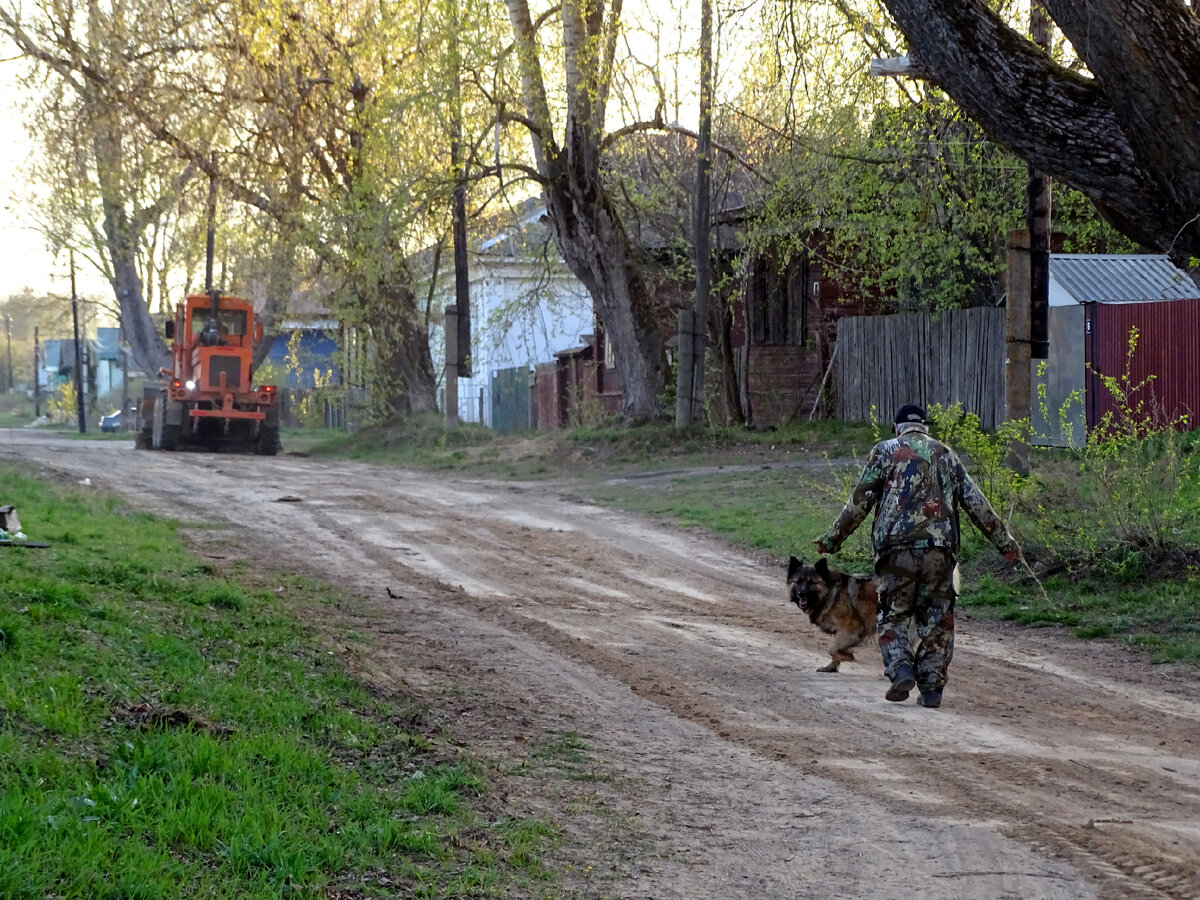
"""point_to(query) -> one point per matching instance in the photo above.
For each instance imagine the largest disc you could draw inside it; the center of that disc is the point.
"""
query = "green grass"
(167, 733)
(16, 410)
(771, 510)
(426, 442)
(564, 755)
(471, 449)
(1161, 619)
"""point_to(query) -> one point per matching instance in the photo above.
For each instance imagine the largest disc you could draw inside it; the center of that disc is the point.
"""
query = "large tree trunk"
(280, 280)
(721, 322)
(121, 235)
(1129, 138)
(405, 384)
(590, 235)
(597, 250)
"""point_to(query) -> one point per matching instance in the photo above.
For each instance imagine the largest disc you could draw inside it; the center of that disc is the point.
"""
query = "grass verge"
(577, 453)
(167, 733)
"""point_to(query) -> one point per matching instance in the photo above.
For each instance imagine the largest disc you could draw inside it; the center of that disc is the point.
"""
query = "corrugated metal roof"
(1120, 278)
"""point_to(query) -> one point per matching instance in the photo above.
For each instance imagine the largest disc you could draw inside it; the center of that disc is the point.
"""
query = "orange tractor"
(206, 400)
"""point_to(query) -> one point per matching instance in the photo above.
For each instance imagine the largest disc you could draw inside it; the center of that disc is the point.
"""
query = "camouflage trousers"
(917, 587)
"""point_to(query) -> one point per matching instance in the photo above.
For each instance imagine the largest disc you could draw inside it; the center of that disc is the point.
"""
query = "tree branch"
(533, 84)
(504, 117)
(156, 209)
(1057, 120)
(528, 171)
(657, 124)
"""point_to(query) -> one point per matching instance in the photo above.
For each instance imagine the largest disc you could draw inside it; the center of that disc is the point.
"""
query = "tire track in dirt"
(701, 706)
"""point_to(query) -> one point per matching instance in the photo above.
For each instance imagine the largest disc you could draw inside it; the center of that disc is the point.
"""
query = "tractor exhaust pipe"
(211, 333)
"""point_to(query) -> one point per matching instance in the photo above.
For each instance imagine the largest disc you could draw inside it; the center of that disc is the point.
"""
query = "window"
(778, 302)
(229, 321)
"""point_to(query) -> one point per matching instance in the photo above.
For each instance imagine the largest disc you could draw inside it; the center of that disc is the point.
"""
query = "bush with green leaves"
(987, 455)
(1129, 492)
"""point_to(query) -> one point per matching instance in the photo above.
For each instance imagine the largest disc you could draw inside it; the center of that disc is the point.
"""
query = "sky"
(24, 259)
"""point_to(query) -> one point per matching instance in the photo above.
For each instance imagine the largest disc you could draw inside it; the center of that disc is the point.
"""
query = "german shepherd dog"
(837, 602)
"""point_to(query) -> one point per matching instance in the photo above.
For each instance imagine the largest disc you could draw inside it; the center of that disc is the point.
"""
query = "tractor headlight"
(190, 385)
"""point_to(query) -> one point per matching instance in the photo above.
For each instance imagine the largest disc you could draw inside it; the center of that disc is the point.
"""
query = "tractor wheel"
(163, 436)
(143, 438)
(268, 443)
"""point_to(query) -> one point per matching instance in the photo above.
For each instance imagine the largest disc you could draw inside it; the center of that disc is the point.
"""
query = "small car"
(111, 422)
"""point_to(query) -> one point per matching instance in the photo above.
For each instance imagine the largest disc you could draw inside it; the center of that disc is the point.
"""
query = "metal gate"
(511, 407)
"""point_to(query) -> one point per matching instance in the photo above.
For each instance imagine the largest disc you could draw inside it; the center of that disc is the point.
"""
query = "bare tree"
(118, 191)
(304, 110)
(588, 228)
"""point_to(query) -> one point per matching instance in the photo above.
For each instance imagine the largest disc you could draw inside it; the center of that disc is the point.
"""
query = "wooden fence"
(944, 358)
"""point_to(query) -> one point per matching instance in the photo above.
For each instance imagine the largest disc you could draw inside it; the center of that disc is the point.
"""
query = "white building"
(525, 307)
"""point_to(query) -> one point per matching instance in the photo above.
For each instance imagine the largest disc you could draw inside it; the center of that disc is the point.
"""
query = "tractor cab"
(230, 327)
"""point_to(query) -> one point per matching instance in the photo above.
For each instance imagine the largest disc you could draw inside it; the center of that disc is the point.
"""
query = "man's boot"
(930, 699)
(904, 679)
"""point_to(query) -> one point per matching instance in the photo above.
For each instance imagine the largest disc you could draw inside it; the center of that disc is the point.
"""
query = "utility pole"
(703, 211)
(1018, 364)
(8, 324)
(1037, 219)
(37, 374)
(1027, 313)
(451, 368)
(689, 407)
(79, 411)
(462, 283)
(126, 421)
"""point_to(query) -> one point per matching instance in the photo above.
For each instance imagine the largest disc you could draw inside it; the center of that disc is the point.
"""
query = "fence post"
(451, 368)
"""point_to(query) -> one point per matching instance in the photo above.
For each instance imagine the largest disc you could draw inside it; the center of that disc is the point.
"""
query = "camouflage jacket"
(916, 485)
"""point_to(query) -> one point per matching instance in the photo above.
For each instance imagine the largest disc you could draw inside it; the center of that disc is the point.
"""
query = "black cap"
(910, 412)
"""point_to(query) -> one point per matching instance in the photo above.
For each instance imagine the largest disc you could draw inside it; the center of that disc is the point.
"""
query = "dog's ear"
(822, 568)
(793, 565)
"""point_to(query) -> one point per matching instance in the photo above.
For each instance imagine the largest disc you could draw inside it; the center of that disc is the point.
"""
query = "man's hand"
(1012, 555)
(822, 548)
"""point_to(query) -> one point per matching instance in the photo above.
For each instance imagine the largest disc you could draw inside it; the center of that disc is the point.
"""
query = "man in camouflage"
(916, 485)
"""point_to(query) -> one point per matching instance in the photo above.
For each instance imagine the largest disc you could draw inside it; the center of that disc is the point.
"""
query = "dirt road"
(717, 762)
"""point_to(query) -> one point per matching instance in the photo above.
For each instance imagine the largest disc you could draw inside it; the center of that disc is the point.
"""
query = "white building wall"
(521, 315)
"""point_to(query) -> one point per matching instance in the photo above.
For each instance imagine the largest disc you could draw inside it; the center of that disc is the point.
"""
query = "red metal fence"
(1167, 350)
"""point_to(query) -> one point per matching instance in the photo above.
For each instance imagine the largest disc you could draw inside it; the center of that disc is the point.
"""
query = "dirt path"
(721, 763)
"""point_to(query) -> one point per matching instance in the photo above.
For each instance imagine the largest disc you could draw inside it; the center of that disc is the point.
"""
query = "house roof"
(1120, 278)
(52, 353)
(525, 223)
